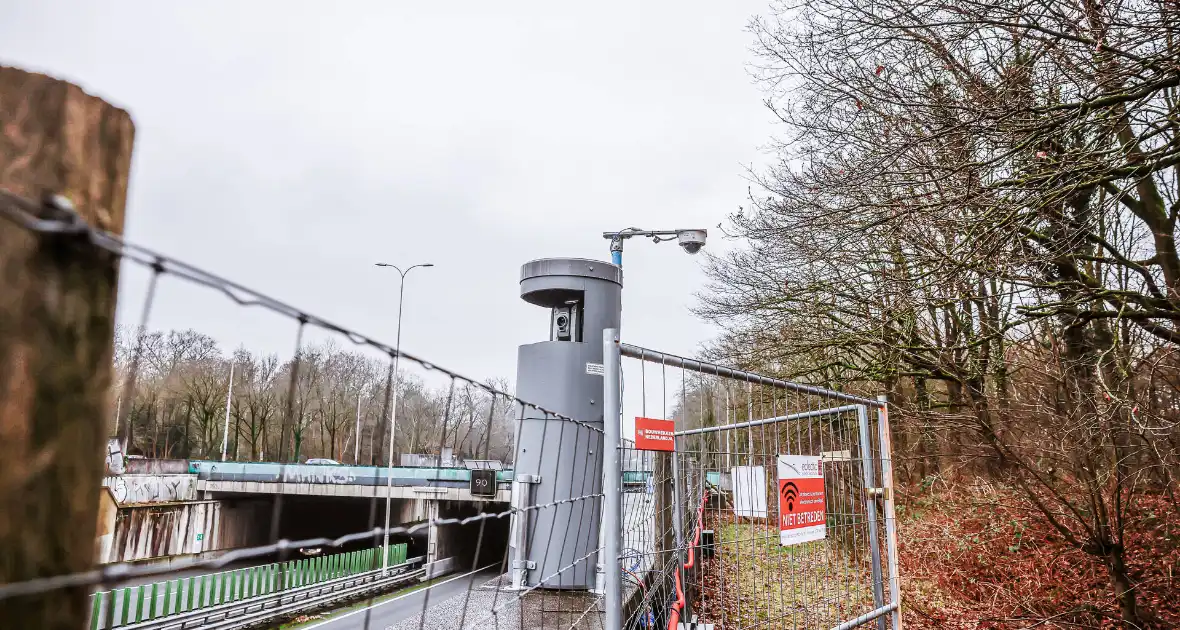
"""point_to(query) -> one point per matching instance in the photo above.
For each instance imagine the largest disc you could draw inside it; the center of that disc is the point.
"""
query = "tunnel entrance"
(461, 542)
(305, 517)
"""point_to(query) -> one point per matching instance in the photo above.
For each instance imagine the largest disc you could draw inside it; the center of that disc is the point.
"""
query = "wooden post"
(57, 315)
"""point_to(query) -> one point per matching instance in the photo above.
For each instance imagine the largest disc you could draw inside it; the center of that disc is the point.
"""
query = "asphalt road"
(392, 614)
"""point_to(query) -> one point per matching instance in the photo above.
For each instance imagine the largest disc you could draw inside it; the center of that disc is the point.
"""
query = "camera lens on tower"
(562, 321)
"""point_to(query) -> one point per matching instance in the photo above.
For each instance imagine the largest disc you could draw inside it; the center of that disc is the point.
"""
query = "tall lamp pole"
(401, 294)
(229, 394)
(356, 454)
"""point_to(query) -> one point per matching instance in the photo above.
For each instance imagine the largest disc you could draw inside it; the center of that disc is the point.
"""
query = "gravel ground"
(483, 604)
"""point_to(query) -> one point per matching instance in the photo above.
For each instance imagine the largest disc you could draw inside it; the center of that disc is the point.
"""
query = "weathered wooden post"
(57, 315)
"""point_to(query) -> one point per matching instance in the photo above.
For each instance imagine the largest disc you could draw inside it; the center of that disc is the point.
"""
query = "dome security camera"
(691, 240)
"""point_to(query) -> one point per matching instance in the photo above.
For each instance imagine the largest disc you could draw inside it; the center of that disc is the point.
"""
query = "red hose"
(678, 605)
(638, 580)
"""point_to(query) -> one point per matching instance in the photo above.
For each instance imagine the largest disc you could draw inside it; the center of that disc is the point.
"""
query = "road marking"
(394, 599)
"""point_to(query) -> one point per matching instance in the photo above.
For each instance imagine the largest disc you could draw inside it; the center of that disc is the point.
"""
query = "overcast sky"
(291, 145)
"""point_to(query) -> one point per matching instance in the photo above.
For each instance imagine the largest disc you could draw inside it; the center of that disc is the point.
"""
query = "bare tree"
(975, 210)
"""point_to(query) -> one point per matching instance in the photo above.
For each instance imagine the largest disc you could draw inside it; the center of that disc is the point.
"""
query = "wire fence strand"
(472, 532)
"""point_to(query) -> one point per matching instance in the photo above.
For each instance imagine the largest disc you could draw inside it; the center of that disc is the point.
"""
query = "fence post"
(151, 609)
(57, 322)
(96, 610)
(125, 617)
(678, 526)
(866, 462)
(612, 472)
(885, 438)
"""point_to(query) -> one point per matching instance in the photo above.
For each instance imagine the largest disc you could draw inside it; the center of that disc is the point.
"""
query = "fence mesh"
(732, 528)
(464, 539)
(699, 531)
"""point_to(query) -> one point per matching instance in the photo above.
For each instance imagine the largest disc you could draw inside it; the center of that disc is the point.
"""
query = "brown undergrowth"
(980, 558)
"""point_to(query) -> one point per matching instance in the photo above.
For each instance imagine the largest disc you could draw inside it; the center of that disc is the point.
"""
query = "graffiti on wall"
(318, 474)
(114, 459)
(137, 489)
(156, 531)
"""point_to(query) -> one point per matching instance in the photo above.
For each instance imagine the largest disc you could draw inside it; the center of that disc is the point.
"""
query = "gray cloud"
(291, 147)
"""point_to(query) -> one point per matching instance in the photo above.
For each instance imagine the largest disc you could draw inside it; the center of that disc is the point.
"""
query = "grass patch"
(754, 580)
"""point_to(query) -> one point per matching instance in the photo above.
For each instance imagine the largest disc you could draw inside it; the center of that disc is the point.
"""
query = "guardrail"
(133, 605)
(267, 608)
(260, 610)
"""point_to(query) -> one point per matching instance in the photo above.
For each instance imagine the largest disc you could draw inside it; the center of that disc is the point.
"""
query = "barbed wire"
(23, 212)
(123, 571)
(57, 218)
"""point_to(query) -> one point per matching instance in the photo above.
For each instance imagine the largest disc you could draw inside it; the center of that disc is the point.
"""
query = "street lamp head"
(381, 264)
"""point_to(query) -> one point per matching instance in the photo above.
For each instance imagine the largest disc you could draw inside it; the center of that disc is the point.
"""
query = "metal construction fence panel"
(747, 501)
(687, 521)
(146, 602)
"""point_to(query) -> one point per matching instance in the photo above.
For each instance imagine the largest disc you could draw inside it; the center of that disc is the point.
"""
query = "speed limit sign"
(483, 483)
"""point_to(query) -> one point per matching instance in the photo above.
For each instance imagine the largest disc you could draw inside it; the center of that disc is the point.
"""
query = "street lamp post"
(229, 394)
(356, 453)
(401, 293)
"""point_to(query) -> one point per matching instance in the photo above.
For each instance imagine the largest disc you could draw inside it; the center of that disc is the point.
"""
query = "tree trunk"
(56, 336)
(1124, 590)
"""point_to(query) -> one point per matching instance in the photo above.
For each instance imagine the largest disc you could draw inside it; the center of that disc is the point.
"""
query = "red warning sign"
(802, 513)
(652, 434)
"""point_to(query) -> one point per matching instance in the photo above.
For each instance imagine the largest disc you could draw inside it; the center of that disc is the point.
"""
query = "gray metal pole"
(228, 397)
(678, 506)
(750, 418)
(401, 294)
(866, 460)
(356, 447)
(612, 521)
(393, 425)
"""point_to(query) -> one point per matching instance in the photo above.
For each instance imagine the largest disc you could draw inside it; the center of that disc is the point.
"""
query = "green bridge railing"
(146, 602)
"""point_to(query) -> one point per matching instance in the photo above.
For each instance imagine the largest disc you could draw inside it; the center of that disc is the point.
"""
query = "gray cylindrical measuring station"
(556, 459)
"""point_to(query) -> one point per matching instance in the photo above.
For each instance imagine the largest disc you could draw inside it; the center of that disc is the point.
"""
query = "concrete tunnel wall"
(160, 532)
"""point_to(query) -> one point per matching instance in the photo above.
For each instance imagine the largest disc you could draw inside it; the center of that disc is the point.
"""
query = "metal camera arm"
(657, 236)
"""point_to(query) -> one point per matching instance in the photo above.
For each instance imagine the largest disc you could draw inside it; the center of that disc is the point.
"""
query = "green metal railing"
(145, 602)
